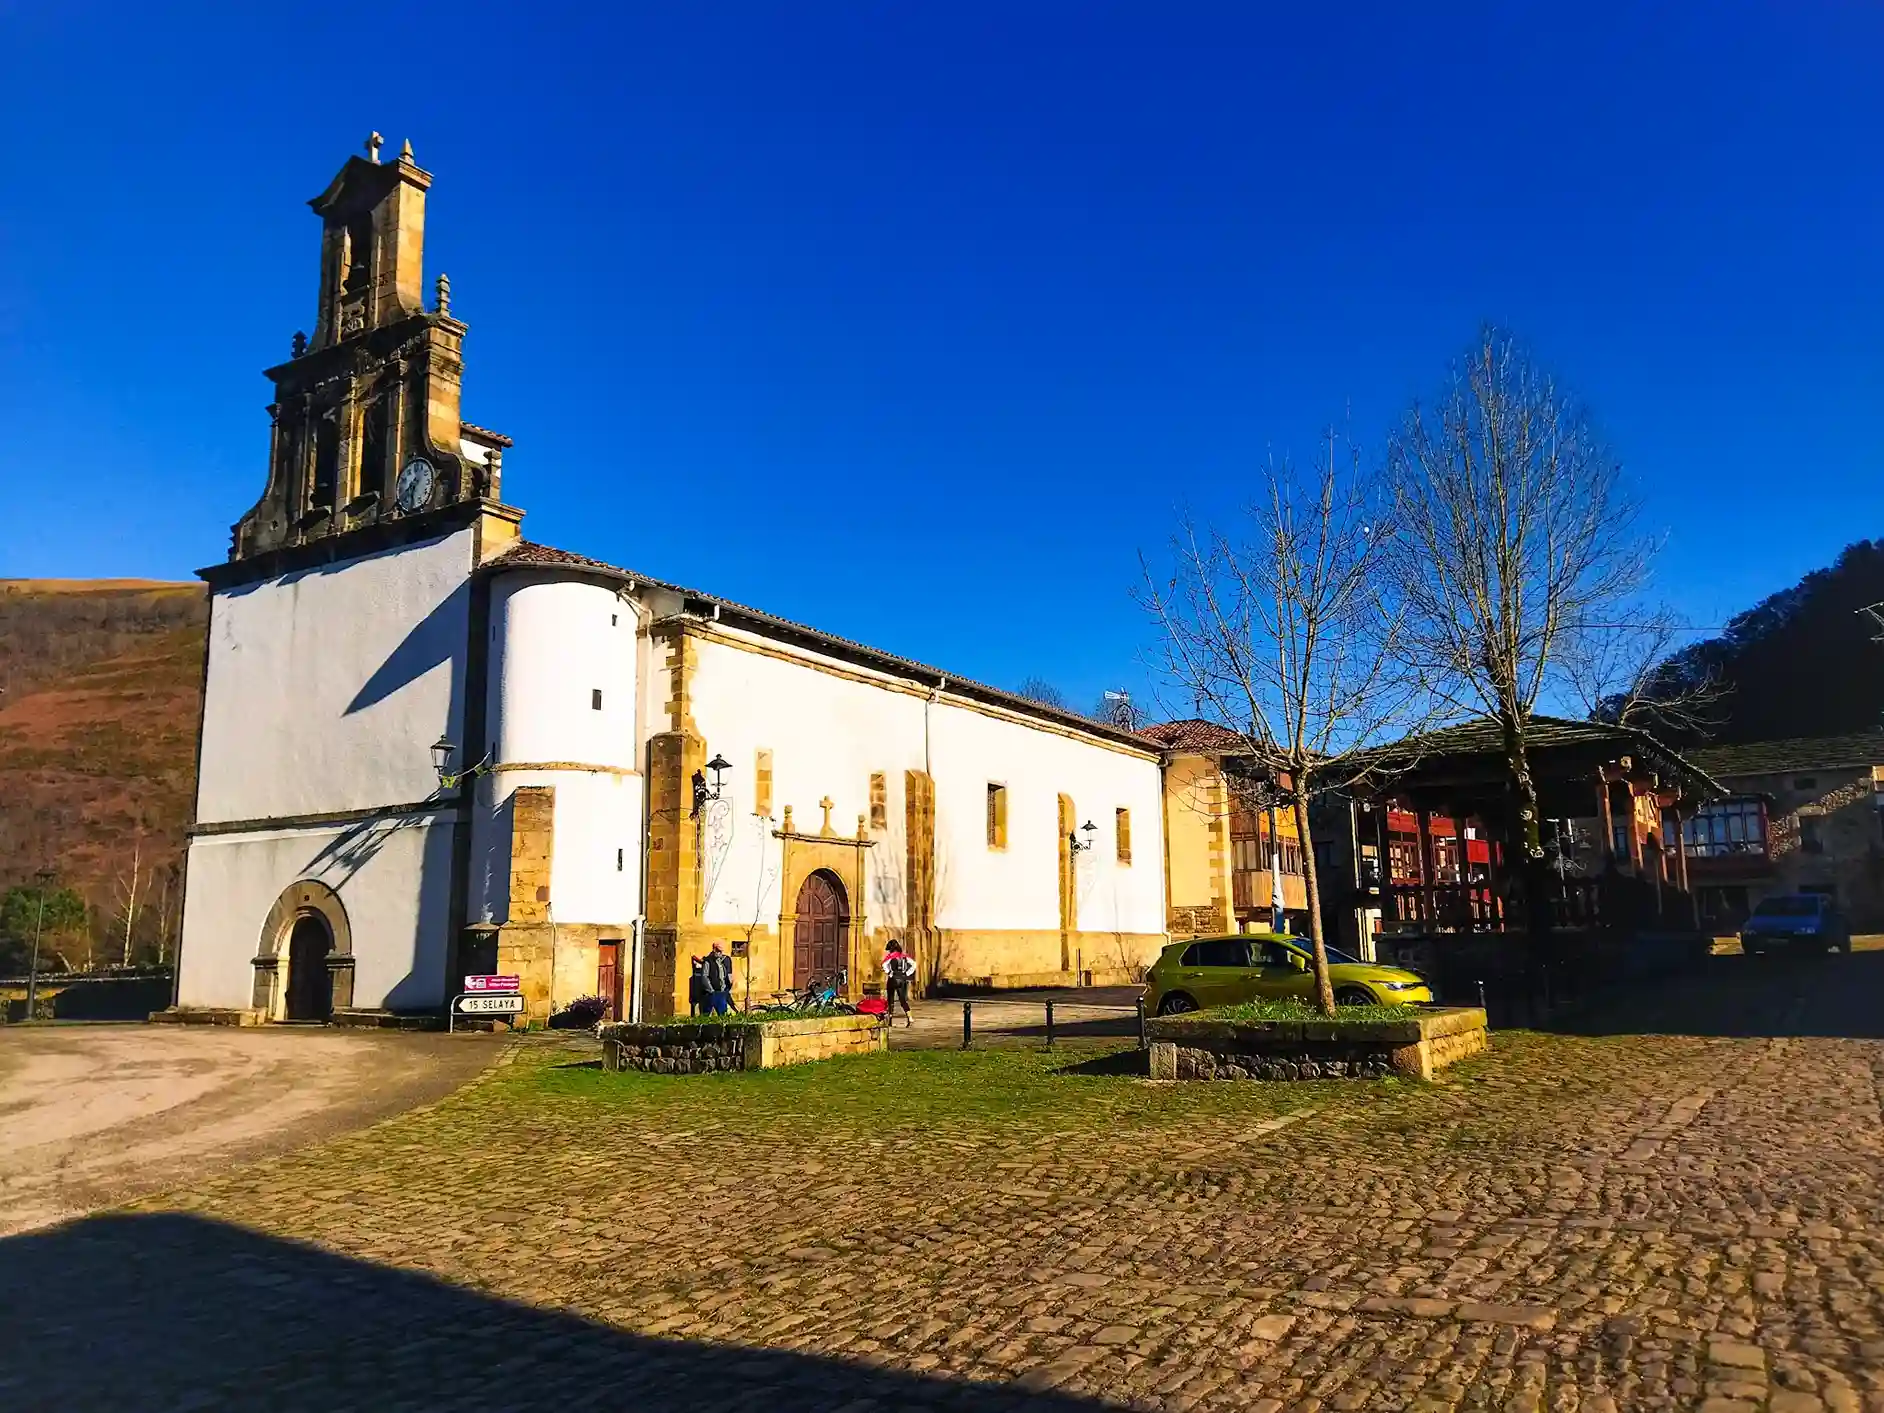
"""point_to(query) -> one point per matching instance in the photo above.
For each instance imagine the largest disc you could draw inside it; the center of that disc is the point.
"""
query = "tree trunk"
(1324, 989)
(1526, 838)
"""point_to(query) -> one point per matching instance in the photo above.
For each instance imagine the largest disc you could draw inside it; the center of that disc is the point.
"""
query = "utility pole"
(44, 877)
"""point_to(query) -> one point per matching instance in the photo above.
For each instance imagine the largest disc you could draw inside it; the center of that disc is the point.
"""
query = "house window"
(1805, 782)
(762, 784)
(595, 700)
(1725, 829)
(1811, 835)
(879, 800)
(997, 816)
(1122, 825)
(618, 860)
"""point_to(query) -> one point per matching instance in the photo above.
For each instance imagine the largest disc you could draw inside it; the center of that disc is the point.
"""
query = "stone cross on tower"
(373, 141)
(826, 805)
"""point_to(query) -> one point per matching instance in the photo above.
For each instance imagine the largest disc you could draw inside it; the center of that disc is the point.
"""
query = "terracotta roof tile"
(485, 434)
(1194, 735)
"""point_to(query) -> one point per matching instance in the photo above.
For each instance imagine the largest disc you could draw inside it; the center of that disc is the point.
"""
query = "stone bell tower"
(366, 414)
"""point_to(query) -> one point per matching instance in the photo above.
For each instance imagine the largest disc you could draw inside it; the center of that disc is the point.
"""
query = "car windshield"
(1788, 907)
(1336, 957)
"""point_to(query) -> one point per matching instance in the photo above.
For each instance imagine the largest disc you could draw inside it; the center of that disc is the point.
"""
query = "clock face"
(415, 484)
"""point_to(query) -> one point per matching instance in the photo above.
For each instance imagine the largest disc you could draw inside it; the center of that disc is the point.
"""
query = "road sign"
(493, 983)
(497, 1004)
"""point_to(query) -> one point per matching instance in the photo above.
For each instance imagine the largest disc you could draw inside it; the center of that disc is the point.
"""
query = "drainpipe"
(935, 695)
(639, 923)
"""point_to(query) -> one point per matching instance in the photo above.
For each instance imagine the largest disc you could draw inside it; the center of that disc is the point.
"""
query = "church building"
(433, 748)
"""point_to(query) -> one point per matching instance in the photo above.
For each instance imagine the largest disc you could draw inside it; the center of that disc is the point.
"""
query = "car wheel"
(1176, 1004)
(1354, 996)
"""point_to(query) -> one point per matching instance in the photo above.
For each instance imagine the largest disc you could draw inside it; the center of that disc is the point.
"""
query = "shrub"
(580, 1013)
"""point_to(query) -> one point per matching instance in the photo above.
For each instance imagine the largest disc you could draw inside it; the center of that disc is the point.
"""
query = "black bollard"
(1049, 1025)
(968, 1023)
(1144, 1041)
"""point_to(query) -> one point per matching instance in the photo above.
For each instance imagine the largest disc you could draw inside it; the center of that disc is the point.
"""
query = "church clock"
(416, 481)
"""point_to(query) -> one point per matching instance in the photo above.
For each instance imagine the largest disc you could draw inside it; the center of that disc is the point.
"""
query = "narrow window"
(997, 816)
(618, 860)
(762, 787)
(879, 801)
(595, 699)
(614, 620)
(1123, 820)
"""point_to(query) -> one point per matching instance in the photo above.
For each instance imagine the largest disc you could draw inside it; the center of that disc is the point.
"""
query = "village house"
(1801, 816)
(1424, 851)
(433, 748)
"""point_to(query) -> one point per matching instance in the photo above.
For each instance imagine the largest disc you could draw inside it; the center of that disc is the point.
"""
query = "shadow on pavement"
(1814, 995)
(1116, 1062)
(174, 1311)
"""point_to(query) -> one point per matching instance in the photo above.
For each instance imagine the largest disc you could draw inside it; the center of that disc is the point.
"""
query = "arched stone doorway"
(310, 980)
(821, 932)
(304, 957)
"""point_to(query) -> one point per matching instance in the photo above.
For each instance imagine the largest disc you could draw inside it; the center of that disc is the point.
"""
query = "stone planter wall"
(708, 1048)
(1198, 1047)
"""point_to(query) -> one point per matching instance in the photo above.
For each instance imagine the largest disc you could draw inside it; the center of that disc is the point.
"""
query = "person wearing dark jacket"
(717, 978)
(696, 989)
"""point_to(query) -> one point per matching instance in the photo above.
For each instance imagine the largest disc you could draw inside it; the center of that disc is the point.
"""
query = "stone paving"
(1677, 1207)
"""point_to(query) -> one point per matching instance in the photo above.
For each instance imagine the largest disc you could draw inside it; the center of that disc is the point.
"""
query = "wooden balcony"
(1575, 904)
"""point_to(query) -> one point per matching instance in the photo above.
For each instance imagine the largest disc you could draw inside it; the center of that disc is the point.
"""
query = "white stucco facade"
(563, 712)
(324, 690)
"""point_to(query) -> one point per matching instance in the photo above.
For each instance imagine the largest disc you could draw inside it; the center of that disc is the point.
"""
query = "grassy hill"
(100, 692)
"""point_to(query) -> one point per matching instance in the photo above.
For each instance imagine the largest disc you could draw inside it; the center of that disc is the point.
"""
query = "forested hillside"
(100, 685)
(1802, 662)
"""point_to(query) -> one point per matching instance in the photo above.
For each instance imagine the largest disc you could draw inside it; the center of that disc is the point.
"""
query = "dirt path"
(94, 1115)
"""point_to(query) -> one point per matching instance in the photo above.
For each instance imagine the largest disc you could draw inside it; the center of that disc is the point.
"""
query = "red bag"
(872, 1006)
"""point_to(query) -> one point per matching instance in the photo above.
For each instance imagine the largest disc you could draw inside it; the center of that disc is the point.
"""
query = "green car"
(1249, 966)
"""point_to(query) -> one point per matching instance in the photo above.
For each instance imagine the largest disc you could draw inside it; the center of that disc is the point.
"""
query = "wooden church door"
(819, 933)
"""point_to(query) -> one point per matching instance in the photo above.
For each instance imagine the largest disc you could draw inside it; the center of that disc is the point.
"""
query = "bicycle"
(819, 994)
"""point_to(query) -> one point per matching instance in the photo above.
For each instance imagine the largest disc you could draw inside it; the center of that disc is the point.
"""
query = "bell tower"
(366, 413)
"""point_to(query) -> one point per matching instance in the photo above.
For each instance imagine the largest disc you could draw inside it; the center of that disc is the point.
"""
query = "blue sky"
(919, 323)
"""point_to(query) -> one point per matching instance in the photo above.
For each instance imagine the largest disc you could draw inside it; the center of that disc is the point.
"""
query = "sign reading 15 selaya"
(496, 1003)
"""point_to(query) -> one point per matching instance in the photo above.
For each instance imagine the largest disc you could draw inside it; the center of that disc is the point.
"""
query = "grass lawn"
(913, 1089)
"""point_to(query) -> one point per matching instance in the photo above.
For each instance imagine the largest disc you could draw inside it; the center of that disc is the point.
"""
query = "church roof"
(1194, 735)
(526, 554)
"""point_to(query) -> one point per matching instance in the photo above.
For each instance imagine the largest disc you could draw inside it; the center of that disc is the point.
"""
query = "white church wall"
(392, 876)
(982, 890)
(827, 735)
(327, 686)
(830, 725)
(556, 643)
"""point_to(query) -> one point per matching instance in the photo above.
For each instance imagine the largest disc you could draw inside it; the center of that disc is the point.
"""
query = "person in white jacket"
(899, 969)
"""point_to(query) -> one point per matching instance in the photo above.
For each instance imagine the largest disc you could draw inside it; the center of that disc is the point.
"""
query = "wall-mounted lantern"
(443, 750)
(703, 792)
(1077, 845)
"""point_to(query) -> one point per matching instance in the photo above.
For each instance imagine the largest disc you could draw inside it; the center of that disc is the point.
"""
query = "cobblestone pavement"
(1677, 1208)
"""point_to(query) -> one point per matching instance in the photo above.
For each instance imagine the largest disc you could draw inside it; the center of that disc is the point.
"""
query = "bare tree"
(127, 891)
(1286, 634)
(1523, 564)
(1632, 674)
(1038, 689)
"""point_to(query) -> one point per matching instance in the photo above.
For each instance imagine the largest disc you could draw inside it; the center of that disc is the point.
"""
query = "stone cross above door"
(826, 805)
